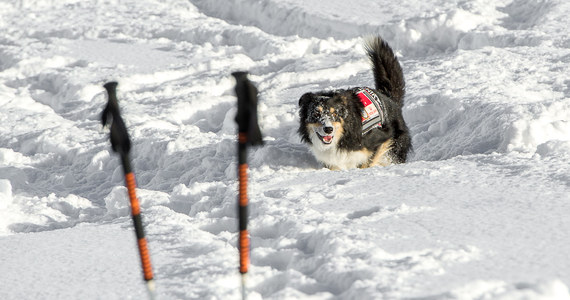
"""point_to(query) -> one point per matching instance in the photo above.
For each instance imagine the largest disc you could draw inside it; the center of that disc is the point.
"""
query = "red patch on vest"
(372, 115)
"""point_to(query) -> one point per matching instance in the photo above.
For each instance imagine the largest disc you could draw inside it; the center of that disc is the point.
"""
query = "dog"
(359, 127)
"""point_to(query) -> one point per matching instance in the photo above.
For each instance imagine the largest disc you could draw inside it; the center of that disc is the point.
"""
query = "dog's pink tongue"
(327, 138)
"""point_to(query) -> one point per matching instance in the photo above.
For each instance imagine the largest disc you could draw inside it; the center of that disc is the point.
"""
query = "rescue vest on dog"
(373, 111)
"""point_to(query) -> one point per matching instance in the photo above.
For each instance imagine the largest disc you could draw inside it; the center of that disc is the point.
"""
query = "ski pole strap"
(246, 117)
(111, 115)
(139, 230)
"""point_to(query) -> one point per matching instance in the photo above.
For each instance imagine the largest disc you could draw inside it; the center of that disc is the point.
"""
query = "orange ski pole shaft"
(121, 144)
(243, 202)
(248, 134)
(139, 229)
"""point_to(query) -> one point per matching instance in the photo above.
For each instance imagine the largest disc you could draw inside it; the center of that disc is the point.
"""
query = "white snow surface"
(479, 212)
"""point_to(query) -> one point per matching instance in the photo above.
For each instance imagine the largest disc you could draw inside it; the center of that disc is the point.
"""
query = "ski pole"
(121, 144)
(248, 134)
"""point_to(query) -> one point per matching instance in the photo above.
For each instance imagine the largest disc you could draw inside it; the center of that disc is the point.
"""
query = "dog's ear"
(306, 98)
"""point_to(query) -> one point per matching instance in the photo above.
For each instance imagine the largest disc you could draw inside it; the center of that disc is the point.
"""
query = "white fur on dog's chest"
(339, 159)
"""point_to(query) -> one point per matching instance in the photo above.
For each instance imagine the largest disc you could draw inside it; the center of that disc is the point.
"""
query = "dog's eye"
(337, 114)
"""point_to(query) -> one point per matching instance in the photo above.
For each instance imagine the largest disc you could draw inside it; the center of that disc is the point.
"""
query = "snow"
(479, 212)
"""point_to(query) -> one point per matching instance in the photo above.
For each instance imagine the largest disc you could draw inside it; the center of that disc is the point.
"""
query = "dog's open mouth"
(326, 139)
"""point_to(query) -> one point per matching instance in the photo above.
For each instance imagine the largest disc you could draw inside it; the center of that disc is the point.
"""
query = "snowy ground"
(480, 211)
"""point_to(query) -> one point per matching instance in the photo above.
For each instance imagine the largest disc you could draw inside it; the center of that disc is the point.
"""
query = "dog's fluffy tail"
(388, 75)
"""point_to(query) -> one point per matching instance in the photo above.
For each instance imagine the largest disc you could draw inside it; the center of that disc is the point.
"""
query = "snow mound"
(547, 290)
(5, 193)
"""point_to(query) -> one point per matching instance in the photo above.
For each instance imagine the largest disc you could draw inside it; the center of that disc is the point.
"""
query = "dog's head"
(322, 117)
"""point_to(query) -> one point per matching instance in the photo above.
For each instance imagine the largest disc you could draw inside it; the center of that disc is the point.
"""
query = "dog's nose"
(328, 129)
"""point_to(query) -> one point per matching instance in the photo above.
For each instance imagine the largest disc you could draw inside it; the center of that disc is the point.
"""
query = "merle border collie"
(359, 127)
